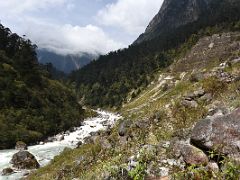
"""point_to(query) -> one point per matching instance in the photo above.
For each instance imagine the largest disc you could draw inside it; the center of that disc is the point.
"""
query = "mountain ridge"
(65, 63)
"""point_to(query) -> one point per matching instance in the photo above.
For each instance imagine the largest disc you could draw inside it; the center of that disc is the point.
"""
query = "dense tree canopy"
(32, 106)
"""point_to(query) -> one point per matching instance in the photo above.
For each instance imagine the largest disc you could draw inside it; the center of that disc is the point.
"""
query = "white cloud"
(131, 15)
(52, 35)
(40, 21)
(68, 39)
(20, 6)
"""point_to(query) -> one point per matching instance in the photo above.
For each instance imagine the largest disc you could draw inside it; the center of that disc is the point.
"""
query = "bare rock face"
(173, 14)
(220, 134)
(24, 160)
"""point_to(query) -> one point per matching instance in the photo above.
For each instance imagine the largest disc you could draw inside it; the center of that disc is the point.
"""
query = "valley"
(170, 102)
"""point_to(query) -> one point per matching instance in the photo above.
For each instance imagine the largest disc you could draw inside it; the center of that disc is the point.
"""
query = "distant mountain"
(177, 13)
(63, 63)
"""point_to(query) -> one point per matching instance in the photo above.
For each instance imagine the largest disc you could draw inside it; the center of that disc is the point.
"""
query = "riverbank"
(46, 152)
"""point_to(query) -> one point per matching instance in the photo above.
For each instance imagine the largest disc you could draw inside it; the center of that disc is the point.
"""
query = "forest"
(33, 106)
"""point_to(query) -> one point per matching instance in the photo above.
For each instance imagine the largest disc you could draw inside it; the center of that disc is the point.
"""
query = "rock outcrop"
(191, 155)
(24, 160)
(220, 134)
(173, 14)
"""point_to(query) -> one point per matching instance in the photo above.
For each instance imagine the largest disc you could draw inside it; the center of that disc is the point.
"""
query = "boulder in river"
(60, 137)
(220, 134)
(21, 146)
(24, 160)
(7, 171)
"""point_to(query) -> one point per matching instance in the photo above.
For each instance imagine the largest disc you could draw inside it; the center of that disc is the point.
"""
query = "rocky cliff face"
(178, 13)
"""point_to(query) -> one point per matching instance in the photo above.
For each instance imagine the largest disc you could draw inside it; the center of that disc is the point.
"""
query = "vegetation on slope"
(109, 80)
(32, 106)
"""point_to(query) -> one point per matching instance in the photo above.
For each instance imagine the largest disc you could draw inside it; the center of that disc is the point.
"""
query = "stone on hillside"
(123, 127)
(189, 97)
(218, 111)
(207, 97)
(105, 143)
(24, 160)
(21, 146)
(199, 93)
(220, 134)
(7, 171)
(191, 155)
(213, 166)
(123, 140)
(142, 123)
(196, 77)
(190, 104)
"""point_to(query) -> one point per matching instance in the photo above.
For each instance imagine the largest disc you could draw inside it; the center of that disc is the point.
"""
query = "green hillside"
(32, 106)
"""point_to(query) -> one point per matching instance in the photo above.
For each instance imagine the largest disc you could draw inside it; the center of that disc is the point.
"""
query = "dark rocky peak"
(178, 13)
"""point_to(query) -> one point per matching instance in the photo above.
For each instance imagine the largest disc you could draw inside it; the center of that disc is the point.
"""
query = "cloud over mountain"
(79, 26)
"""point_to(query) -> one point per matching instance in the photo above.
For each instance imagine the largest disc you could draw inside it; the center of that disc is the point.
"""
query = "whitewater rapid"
(46, 152)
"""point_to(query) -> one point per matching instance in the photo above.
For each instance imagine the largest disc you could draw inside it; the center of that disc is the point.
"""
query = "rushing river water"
(46, 152)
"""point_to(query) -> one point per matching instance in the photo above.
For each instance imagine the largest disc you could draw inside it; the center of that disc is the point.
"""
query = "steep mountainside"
(109, 81)
(175, 14)
(184, 125)
(67, 63)
(32, 106)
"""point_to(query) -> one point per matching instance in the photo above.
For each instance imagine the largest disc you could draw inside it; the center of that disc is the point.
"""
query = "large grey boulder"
(220, 134)
(24, 160)
(123, 127)
(191, 155)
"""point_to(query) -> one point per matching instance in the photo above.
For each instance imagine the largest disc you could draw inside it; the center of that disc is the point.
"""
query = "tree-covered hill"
(109, 80)
(32, 106)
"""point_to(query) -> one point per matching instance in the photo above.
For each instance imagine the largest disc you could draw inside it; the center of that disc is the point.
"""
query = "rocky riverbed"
(45, 152)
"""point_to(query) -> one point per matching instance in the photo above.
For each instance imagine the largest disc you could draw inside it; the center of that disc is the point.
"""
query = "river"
(46, 152)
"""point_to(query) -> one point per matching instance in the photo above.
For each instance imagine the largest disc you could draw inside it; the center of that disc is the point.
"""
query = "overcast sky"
(75, 26)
